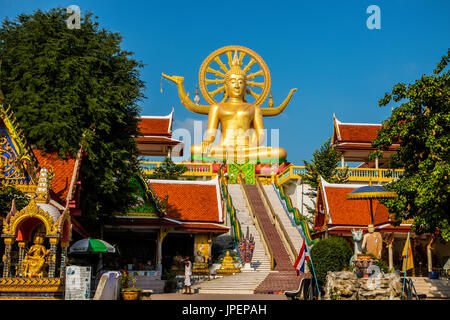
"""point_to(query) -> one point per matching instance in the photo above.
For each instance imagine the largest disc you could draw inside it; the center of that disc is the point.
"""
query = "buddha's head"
(235, 82)
(370, 228)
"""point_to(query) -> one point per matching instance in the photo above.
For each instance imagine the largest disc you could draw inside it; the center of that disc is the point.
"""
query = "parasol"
(370, 192)
(92, 245)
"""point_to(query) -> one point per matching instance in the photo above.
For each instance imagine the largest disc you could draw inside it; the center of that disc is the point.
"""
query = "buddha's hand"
(206, 147)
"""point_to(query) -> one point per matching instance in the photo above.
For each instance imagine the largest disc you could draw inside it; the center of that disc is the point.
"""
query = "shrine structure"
(34, 235)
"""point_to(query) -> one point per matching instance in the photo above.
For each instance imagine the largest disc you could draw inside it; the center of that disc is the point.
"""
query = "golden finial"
(270, 100)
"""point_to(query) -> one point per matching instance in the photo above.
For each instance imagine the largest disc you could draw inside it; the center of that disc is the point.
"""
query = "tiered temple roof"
(354, 141)
(156, 137)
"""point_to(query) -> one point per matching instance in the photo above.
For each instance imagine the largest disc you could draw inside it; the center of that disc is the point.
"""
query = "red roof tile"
(352, 212)
(63, 170)
(358, 132)
(155, 126)
(190, 201)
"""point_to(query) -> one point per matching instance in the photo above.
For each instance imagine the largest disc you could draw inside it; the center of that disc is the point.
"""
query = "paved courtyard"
(203, 296)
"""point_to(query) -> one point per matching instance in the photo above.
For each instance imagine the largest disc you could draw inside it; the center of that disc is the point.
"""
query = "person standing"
(187, 275)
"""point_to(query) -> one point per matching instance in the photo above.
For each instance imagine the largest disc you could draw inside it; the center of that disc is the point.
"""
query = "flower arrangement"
(126, 279)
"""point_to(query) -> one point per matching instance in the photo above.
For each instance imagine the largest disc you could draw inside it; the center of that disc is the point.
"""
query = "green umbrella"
(91, 245)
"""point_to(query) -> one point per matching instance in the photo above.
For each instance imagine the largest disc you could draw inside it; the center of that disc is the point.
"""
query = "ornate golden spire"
(42, 191)
(235, 66)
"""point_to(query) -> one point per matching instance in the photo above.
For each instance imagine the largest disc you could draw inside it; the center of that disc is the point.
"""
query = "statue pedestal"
(247, 268)
(200, 268)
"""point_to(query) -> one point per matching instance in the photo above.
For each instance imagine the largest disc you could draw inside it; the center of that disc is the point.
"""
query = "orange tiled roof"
(155, 126)
(352, 212)
(358, 132)
(63, 170)
(190, 201)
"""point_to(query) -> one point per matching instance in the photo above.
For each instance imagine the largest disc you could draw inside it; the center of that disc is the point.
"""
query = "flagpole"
(406, 263)
(314, 273)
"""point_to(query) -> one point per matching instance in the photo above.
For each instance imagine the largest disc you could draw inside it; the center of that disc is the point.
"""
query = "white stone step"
(240, 283)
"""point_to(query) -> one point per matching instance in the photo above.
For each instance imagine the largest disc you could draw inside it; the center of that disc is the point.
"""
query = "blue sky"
(323, 48)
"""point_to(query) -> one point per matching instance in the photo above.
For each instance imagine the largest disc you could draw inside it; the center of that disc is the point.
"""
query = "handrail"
(237, 230)
(290, 172)
(411, 290)
(193, 168)
(298, 218)
(277, 220)
(354, 174)
(257, 223)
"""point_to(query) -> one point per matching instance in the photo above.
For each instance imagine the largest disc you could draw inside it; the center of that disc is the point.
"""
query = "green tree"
(331, 254)
(324, 163)
(62, 83)
(421, 125)
(7, 194)
(168, 170)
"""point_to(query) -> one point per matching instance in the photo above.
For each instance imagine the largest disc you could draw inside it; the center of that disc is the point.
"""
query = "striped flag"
(303, 255)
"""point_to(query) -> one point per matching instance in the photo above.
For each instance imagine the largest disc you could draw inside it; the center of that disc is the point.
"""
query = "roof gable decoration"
(148, 203)
(18, 164)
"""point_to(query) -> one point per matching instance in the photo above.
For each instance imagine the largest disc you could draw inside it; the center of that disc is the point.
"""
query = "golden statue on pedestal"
(242, 125)
(228, 266)
(34, 263)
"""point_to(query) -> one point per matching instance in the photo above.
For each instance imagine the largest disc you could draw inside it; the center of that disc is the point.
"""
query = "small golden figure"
(35, 260)
(228, 266)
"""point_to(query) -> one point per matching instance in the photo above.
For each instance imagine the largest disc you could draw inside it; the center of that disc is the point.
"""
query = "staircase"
(285, 278)
(244, 282)
(433, 288)
(260, 260)
(292, 231)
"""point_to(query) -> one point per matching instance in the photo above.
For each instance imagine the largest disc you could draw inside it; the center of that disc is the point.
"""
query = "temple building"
(354, 142)
(156, 137)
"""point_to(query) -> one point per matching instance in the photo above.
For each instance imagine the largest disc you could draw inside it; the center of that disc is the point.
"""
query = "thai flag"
(303, 255)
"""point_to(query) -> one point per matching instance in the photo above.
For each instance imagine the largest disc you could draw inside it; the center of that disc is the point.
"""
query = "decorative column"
(342, 161)
(64, 247)
(390, 242)
(7, 256)
(51, 270)
(429, 257)
(161, 235)
(21, 245)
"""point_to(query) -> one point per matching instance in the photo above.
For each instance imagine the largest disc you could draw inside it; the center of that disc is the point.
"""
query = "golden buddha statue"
(227, 266)
(241, 122)
(35, 259)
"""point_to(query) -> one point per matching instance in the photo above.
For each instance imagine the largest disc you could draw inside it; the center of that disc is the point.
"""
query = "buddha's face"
(235, 86)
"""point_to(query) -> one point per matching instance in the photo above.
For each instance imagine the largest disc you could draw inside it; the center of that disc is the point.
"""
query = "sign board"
(78, 283)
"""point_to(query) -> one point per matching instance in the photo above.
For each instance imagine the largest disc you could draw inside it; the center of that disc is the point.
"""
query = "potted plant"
(129, 293)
